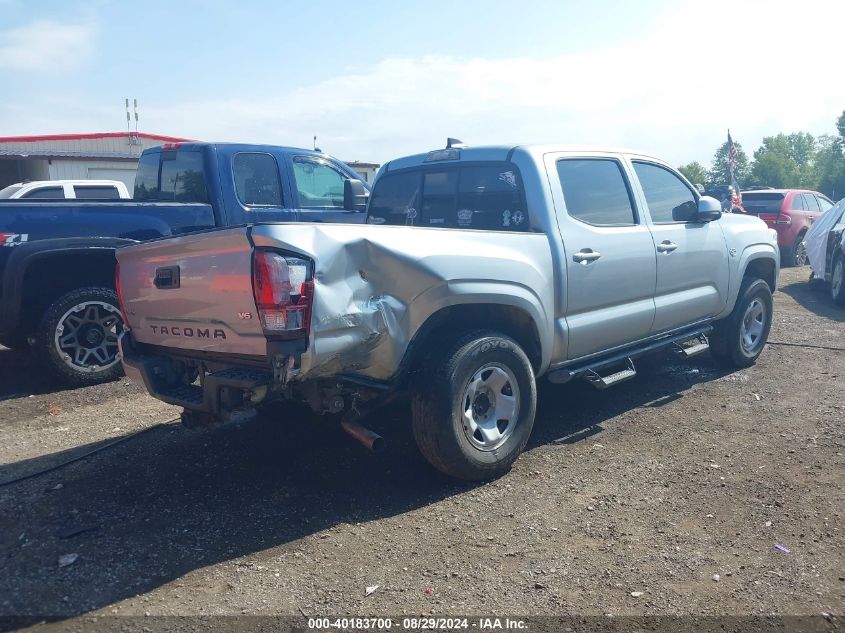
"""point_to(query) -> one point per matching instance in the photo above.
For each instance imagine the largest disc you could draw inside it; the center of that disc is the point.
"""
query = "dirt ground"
(674, 487)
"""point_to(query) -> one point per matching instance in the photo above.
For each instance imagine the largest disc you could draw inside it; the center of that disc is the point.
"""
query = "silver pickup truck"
(479, 271)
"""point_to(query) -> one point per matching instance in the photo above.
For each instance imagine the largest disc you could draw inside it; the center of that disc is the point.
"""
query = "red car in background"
(790, 212)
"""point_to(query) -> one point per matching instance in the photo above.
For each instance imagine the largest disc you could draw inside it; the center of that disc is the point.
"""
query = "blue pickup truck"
(57, 262)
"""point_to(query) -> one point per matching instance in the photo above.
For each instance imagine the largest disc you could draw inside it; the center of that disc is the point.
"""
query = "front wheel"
(837, 281)
(738, 340)
(77, 338)
(474, 411)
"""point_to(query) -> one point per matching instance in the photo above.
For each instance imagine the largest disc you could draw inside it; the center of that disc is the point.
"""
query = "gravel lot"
(665, 495)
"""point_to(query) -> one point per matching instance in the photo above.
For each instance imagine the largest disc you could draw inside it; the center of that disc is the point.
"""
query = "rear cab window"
(486, 196)
(172, 175)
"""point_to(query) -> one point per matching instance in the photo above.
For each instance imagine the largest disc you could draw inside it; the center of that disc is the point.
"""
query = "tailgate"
(193, 293)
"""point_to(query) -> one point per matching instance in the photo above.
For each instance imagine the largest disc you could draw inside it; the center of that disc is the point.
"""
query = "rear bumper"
(228, 389)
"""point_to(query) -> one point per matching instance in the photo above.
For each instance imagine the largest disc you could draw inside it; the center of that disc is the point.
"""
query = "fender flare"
(26, 254)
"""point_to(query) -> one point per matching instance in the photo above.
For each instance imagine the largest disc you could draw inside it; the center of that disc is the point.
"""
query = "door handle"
(585, 256)
(666, 246)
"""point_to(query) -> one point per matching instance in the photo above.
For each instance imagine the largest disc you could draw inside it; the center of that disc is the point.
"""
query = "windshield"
(9, 191)
(761, 202)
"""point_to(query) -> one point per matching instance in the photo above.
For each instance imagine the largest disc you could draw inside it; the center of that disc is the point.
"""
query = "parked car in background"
(57, 263)
(790, 212)
(825, 247)
(66, 190)
(478, 271)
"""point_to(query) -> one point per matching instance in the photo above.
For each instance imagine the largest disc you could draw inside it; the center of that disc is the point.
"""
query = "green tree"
(785, 160)
(694, 172)
(719, 173)
(840, 124)
(830, 165)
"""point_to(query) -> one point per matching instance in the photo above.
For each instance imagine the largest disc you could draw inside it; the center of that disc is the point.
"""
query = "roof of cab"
(237, 147)
(503, 153)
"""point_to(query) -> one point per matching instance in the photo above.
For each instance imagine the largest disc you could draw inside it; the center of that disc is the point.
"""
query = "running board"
(702, 345)
(591, 369)
(603, 382)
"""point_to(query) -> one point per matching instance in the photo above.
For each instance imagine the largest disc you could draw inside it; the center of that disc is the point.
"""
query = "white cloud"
(45, 45)
(671, 88)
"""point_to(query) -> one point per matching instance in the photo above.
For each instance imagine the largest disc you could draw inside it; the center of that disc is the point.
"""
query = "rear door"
(692, 257)
(610, 259)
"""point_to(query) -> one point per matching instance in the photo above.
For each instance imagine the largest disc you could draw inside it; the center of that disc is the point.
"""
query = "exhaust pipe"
(373, 441)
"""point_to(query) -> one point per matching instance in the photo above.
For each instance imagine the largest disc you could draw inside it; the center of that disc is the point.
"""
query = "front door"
(610, 259)
(692, 257)
(319, 187)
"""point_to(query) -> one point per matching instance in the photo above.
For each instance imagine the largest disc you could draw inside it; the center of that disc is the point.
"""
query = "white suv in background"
(66, 189)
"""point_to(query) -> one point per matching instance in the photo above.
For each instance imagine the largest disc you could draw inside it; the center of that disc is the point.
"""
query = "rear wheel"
(77, 338)
(837, 281)
(738, 340)
(474, 411)
(798, 253)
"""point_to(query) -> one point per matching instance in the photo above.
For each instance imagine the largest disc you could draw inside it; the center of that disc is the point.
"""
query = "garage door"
(126, 176)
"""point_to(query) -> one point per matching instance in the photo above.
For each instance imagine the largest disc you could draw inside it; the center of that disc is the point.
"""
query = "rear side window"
(810, 202)
(319, 185)
(467, 197)
(668, 198)
(179, 177)
(395, 199)
(257, 181)
(824, 205)
(45, 193)
(797, 203)
(761, 202)
(595, 191)
(96, 192)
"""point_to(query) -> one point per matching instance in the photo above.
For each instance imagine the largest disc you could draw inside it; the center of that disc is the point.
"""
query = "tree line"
(784, 161)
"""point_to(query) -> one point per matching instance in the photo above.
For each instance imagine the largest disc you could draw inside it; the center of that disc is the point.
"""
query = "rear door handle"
(585, 256)
(666, 246)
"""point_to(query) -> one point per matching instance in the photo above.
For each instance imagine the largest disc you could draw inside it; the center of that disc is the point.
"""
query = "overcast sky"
(375, 80)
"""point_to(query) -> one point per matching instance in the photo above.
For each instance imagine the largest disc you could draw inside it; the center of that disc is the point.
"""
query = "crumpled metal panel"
(376, 285)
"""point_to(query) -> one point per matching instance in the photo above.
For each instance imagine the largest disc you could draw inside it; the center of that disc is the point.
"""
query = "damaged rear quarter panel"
(375, 286)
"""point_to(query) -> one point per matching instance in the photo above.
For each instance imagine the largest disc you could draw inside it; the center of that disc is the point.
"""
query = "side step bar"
(591, 369)
(688, 351)
(603, 382)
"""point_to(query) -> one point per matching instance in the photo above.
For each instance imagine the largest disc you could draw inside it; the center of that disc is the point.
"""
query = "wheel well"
(450, 323)
(762, 268)
(48, 278)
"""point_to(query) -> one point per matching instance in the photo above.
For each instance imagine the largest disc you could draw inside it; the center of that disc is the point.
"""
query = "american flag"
(731, 154)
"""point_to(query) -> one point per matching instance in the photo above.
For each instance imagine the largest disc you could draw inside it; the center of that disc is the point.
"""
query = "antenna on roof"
(316, 149)
(128, 129)
(454, 143)
(135, 108)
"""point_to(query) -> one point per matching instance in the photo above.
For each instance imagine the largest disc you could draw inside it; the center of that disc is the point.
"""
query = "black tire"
(728, 346)
(444, 436)
(92, 358)
(837, 280)
(798, 253)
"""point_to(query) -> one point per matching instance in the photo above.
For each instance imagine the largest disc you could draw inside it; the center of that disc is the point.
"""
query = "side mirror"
(709, 209)
(355, 195)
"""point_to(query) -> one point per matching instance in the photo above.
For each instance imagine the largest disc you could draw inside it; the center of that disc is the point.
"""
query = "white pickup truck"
(479, 271)
(66, 190)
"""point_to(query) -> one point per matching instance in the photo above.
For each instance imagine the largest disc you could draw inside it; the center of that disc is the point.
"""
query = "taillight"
(283, 293)
(783, 219)
(119, 293)
(775, 218)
